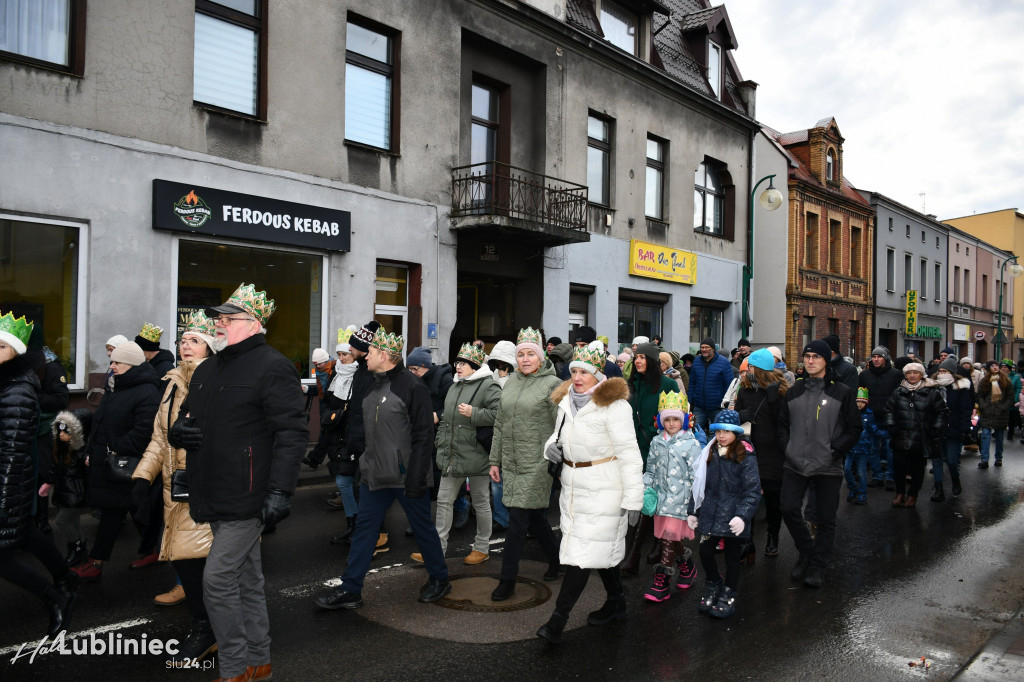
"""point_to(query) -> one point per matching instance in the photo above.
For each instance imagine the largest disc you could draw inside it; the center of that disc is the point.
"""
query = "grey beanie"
(883, 351)
(419, 357)
(949, 364)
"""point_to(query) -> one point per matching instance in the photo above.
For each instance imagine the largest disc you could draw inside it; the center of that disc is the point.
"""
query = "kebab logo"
(192, 210)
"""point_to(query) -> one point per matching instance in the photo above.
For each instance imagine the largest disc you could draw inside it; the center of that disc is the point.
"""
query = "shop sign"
(911, 327)
(929, 332)
(961, 332)
(215, 212)
(662, 262)
(979, 335)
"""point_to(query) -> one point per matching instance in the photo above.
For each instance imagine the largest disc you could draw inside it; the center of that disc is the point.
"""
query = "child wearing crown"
(672, 465)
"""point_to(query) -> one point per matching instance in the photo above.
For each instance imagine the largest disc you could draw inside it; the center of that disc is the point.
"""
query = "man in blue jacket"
(709, 380)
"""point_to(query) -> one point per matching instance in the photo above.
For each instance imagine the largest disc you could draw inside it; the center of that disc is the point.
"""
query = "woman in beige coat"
(185, 543)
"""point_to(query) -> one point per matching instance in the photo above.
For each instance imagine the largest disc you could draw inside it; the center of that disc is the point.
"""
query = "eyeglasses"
(224, 321)
(460, 363)
(812, 356)
(190, 341)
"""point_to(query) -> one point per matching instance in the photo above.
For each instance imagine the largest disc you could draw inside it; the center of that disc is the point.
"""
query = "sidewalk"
(1001, 658)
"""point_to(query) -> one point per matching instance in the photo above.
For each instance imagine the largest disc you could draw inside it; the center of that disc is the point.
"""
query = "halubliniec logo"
(192, 210)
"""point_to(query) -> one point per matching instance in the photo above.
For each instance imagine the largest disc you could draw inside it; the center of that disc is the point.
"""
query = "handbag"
(121, 467)
(179, 485)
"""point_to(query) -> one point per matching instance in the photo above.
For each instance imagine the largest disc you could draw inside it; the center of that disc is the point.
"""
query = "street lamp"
(1016, 270)
(770, 200)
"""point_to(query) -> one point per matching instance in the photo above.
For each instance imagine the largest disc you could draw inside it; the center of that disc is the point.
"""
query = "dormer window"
(619, 26)
(830, 166)
(715, 68)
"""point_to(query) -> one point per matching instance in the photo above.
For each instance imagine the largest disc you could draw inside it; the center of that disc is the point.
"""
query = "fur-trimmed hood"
(606, 392)
(77, 424)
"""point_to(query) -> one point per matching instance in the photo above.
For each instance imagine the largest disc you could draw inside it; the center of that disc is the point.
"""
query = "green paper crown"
(19, 328)
(862, 393)
(591, 356)
(472, 353)
(253, 302)
(673, 401)
(151, 332)
(530, 335)
(200, 324)
(389, 343)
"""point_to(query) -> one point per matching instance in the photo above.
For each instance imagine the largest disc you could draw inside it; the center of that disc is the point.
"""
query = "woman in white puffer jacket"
(594, 450)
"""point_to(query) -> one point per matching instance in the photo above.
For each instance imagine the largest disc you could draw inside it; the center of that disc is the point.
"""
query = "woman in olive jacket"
(526, 418)
(469, 411)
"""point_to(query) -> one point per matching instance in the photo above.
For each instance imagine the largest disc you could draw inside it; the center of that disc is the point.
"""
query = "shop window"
(712, 199)
(639, 318)
(208, 273)
(391, 299)
(229, 59)
(371, 85)
(599, 155)
(705, 321)
(46, 33)
(40, 278)
(655, 197)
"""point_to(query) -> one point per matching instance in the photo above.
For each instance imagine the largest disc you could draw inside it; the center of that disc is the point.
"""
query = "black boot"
(77, 553)
(504, 590)
(552, 630)
(711, 592)
(725, 605)
(199, 643)
(748, 553)
(615, 604)
(59, 603)
(631, 564)
(956, 486)
(345, 536)
(771, 547)
(938, 495)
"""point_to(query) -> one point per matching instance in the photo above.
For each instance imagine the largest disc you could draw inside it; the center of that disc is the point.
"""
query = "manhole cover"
(473, 593)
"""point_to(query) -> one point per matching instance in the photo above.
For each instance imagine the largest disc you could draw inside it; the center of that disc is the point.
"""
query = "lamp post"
(770, 200)
(1015, 271)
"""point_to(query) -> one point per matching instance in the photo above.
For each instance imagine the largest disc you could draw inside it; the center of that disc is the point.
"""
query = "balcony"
(496, 199)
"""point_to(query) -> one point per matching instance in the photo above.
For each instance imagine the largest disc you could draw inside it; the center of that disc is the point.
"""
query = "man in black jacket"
(245, 433)
(881, 379)
(821, 423)
(843, 370)
(396, 465)
(149, 341)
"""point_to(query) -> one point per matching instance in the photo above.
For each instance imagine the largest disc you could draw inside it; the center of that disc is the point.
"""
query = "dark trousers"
(108, 530)
(772, 504)
(906, 462)
(575, 580)
(818, 551)
(25, 575)
(732, 559)
(190, 572)
(373, 505)
(519, 520)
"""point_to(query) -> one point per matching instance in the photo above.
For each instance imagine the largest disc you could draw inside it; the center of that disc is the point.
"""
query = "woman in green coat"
(526, 419)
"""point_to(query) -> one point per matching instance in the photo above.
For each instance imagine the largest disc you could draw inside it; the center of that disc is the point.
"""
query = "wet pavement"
(943, 582)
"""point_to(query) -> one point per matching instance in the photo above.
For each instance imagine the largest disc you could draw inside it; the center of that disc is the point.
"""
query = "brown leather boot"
(259, 673)
(911, 502)
(899, 500)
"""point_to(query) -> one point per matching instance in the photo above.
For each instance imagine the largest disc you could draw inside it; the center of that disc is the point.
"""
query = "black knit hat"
(586, 334)
(818, 346)
(361, 339)
(833, 343)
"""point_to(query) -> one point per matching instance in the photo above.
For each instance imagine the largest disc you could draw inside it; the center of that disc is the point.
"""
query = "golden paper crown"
(253, 302)
(530, 335)
(344, 335)
(389, 343)
(591, 356)
(603, 340)
(472, 353)
(19, 330)
(200, 324)
(151, 332)
(673, 401)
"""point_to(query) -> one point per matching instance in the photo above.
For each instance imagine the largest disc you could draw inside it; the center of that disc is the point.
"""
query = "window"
(958, 247)
(599, 153)
(229, 60)
(50, 34)
(923, 237)
(208, 273)
(619, 27)
(956, 283)
(41, 278)
(854, 338)
(835, 246)
(908, 272)
(484, 126)
(938, 282)
(833, 326)
(890, 270)
(908, 230)
(890, 224)
(923, 282)
(371, 91)
(655, 198)
(638, 318)
(715, 68)
(391, 298)
(855, 250)
(967, 251)
(967, 286)
(705, 321)
(830, 163)
(708, 200)
(811, 241)
(984, 291)
(936, 242)
(810, 331)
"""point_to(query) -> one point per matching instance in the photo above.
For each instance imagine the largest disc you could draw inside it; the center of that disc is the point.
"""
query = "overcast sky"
(928, 94)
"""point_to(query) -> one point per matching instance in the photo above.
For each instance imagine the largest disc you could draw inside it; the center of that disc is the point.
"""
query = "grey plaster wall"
(771, 251)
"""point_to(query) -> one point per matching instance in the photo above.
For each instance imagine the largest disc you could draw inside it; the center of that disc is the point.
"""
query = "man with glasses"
(245, 433)
(821, 423)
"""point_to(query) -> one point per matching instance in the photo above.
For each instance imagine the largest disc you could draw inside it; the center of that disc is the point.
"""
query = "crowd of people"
(644, 447)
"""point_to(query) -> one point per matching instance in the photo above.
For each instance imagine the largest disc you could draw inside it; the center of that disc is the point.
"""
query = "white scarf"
(341, 387)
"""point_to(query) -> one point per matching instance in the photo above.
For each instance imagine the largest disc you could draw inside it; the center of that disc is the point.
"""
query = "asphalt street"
(940, 586)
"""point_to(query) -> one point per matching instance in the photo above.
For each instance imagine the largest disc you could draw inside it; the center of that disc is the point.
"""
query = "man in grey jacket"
(821, 422)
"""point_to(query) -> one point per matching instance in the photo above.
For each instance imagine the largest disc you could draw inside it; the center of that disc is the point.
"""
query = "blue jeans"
(375, 504)
(348, 496)
(500, 515)
(704, 417)
(986, 435)
(885, 450)
(874, 459)
(856, 471)
(950, 450)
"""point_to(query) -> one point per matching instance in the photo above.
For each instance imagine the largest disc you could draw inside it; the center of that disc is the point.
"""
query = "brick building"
(831, 233)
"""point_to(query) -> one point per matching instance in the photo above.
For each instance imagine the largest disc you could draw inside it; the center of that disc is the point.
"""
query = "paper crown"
(603, 339)
(591, 355)
(862, 393)
(471, 353)
(253, 302)
(151, 332)
(389, 343)
(200, 324)
(344, 335)
(673, 401)
(16, 331)
(530, 335)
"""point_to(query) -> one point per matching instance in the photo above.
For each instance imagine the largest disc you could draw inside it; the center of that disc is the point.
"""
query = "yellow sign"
(911, 329)
(661, 262)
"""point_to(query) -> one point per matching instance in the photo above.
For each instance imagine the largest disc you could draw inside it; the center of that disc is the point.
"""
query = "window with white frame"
(229, 55)
(654, 204)
(619, 26)
(715, 68)
(830, 163)
(599, 159)
(708, 199)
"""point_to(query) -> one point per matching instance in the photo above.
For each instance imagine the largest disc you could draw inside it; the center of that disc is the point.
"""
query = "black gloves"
(185, 434)
(277, 506)
(555, 469)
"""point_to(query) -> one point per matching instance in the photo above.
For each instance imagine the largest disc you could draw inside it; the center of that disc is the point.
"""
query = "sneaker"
(725, 605)
(475, 557)
(861, 499)
(175, 596)
(340, 599)
(335, 503)
(687, 574)
(144, 561)
(850, 496)
(660, 589)
(88, 571)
